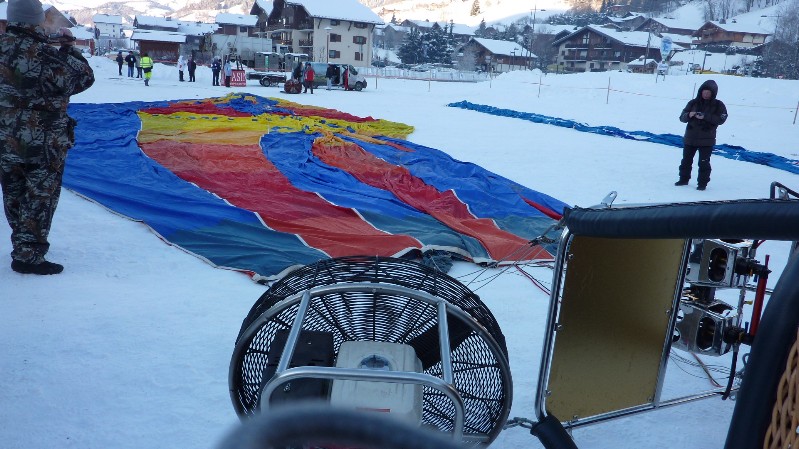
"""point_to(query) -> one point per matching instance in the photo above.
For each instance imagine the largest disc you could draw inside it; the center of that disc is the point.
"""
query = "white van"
(357, 81)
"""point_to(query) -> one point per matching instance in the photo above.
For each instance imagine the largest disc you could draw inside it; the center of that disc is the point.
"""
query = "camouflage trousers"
(30, 197)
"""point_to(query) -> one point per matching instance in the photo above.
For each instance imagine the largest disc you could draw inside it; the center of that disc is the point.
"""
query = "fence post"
(607, 98)
(539, 85)
(795, 112)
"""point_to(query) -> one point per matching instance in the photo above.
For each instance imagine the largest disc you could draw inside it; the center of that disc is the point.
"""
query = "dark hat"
(25, 11)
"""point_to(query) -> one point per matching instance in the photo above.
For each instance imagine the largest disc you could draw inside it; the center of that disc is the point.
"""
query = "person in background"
(120, 62)
(330, 73)
(216, 67)
(131, 60)
(181, 67)
(36, 81)
(308, 75)
(192, 66)
(228, 72)
(703, 115)
(146, 63)
(138, 67)
(297, 72)
(346, 78)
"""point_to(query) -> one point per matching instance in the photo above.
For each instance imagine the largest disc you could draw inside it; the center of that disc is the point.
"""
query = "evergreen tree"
(475, 8)
(393, 19)
(411, 50)
(481, 29)
(437, 44)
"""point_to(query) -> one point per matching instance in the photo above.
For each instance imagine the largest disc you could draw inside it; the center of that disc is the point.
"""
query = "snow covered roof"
(350, 10)
(196, 28)
(158, 36)
(504, 48)
(248, 20)
(81, 33)
(685, 24)
(394, 27)
(679, 39)
(545, 28)
(639, 62)
(107, 18)
(736, 27)
(3, 13)
(628, 38)
(163, 22)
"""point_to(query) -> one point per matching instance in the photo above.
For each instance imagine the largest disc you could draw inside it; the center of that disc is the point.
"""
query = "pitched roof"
(158, 36)
(736, 27)
(350, 10)
(247, 20)
(627, 38)
(504, 48)
(162, 22)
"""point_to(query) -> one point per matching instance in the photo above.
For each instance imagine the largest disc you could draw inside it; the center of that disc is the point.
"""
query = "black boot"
(43, 268)
(681, 182)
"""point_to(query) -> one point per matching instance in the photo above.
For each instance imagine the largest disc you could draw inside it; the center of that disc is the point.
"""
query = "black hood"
(709, 84)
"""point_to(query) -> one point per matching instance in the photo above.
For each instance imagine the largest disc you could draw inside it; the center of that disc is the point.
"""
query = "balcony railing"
(306, 42)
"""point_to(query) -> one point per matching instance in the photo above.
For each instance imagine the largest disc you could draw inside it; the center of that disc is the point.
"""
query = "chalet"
(628, 22)
(640, 66)
(328, 31)
(597, 49)
(396, 33)
(390, 36)
(669, 26)
(159, 45)
(730, 33)
(496, 56)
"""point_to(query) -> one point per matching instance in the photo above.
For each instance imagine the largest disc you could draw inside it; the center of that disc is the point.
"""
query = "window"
(358, 56)
(335, 37)
(242, 29)
(359, 25)
(586, 39)
(358, 40)
(334, 54)
(334, 22)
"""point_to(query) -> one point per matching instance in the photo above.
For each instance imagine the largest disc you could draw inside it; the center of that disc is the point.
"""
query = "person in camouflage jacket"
(36, 82)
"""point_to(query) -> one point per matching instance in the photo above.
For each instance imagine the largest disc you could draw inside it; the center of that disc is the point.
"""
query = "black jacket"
(330, 72)
(702, 133)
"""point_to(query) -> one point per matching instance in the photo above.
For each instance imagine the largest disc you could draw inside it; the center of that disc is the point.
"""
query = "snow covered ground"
(130, 346)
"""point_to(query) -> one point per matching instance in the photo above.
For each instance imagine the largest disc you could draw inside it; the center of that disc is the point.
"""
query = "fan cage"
(479, 357)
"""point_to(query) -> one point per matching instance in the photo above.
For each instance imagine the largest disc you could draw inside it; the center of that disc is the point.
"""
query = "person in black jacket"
(192, 66)
(703, 115)
(131, 60)
(120, 62)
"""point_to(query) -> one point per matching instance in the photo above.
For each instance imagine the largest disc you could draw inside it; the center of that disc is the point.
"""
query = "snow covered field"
(130, 346)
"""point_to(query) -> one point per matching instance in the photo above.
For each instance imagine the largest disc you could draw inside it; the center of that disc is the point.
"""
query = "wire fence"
(439, 75)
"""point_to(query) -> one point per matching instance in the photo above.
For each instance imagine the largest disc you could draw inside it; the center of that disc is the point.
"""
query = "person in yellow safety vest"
(146, 64)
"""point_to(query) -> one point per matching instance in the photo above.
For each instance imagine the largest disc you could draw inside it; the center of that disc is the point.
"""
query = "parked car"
(357, 81)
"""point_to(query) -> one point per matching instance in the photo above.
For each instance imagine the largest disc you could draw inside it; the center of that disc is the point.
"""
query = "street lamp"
(512, 57)
(327, 49)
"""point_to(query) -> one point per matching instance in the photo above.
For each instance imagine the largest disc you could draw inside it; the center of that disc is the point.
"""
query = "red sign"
(239, 79)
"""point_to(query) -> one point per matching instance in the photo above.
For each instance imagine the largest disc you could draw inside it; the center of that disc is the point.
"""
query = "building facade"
(340, 31)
